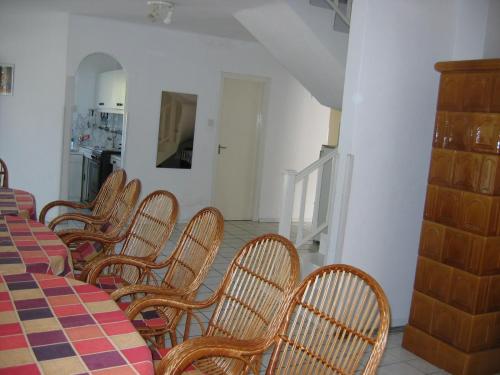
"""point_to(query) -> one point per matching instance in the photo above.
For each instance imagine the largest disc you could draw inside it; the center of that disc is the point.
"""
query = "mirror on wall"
(176, 130)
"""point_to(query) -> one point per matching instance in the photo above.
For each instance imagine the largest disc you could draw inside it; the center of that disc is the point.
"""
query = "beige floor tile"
(399, 369)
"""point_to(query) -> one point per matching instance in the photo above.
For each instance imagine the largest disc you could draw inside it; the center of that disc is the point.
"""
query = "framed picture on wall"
(6, 79)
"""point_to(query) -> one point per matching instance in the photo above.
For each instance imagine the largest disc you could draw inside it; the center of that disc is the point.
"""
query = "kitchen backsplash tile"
(104, 129)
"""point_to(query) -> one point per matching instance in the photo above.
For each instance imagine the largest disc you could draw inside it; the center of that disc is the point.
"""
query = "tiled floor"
(396, 360)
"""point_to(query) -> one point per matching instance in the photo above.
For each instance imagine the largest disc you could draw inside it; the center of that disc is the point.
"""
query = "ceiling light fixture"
(159, 9)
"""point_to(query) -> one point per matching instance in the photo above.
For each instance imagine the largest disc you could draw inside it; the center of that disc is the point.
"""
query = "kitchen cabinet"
(75, 176)
(111, 88)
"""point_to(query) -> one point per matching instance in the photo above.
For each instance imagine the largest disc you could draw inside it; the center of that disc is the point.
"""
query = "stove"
(96, 168)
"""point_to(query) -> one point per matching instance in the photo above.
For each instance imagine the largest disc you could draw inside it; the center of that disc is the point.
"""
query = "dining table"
(57, 325)
(17, 202)
(29, 246)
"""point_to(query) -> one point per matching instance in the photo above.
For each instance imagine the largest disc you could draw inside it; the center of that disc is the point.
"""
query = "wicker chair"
(146, 236)
(110, 227)
(186, 268)
(337, 322)
(4, 175)
(247, 304)
(99, 207)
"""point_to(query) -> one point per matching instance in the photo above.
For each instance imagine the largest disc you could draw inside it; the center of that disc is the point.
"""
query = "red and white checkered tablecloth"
(17, 202)
(56, 325)
(29, 246)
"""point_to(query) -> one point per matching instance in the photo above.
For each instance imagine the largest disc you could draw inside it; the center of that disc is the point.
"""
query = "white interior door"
(241, 109)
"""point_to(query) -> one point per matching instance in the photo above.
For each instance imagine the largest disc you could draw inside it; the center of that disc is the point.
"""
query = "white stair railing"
(291, 179)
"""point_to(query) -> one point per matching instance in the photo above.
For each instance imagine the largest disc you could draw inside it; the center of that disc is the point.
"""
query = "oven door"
(93, 179)
(85, 178)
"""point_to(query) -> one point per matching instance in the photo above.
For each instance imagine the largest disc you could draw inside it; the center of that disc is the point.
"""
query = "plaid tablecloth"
(17, 202)
(56, 325)
(28, 246)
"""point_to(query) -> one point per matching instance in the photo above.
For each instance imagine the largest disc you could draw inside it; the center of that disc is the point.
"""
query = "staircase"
(330, 175)
(319, 63)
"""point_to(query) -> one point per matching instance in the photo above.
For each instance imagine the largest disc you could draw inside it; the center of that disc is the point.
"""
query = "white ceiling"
(213, 17)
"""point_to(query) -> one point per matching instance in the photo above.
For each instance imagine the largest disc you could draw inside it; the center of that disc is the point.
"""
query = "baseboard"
(399, 322)
(268, 220)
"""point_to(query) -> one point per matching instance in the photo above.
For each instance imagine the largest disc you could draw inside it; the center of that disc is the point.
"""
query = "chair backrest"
(337, 316)
(123, 207)
(253, 292)
(192, 257)
(108, 193)
(149, 230)
(4, 175)
(195, 250)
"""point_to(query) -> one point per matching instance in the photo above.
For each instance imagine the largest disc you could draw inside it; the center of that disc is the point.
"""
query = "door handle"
(221, 148)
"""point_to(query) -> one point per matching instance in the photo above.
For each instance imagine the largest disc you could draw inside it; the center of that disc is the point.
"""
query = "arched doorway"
(97, 124)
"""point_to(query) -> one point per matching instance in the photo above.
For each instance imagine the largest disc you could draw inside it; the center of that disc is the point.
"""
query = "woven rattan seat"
(248, 303)
(100, 207)
(111, 227)
(185, 270)
(145, 237)
(337, 322)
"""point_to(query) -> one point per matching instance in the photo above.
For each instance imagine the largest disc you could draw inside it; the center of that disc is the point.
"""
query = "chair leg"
(158, 340)
(187, 327)
(173, 337)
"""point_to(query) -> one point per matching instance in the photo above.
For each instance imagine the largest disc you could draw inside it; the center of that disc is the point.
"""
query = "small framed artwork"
(6, 79)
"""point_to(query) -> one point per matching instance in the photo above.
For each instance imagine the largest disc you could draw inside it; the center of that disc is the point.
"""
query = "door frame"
(261, 126)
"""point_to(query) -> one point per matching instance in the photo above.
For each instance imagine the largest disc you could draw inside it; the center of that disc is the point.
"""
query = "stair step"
(323, 243)
(310, 262)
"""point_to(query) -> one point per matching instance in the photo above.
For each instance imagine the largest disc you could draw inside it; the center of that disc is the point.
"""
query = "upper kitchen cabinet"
(110, 91)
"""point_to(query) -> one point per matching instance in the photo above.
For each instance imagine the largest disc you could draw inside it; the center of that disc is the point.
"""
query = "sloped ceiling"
(212, 17)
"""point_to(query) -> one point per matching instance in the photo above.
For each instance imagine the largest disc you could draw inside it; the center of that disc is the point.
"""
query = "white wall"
(86, 80)
(156, 60)
(31, 120)
(388, 117)
(387, 123)
(470, 28)
(492, 40)
(296, 143)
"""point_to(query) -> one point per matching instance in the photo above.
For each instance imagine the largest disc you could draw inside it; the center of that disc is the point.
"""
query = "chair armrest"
(168, 300)
(93, 270)
(48, 206)
(138, 262)
(74, 216)
(90, 236)
(68, 234)
(182, 355)
(147, 289)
